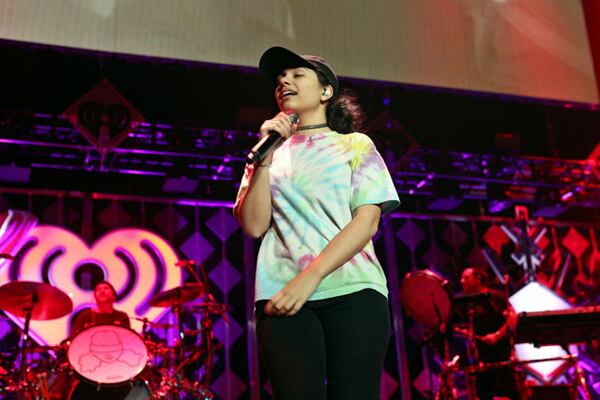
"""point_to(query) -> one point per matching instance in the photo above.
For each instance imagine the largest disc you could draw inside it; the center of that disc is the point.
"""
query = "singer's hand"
(281, 124)
(289, 300)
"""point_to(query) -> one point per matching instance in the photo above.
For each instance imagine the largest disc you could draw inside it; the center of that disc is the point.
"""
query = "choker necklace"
(307, 127)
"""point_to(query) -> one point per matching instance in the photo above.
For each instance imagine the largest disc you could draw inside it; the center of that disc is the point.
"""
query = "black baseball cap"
(277, 59)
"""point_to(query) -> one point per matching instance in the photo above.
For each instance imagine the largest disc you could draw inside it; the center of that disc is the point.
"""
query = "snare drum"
(426, 297)
(109, 358)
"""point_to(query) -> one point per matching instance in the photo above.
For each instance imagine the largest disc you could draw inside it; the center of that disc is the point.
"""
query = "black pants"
(332, 349)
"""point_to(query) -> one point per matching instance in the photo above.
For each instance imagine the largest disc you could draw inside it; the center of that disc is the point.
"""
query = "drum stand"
(23, 385)
(179, 350)
(174, 383)
(446, 390)
(473, 355)
(206, 326)
(27, 389)
(579, 376)
(208, 337)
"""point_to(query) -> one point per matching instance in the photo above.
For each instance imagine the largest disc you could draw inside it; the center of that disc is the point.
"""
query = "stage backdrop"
(135, 242)
(535, 48)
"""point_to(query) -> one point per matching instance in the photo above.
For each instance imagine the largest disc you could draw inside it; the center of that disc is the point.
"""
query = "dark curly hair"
(344, 113)
(108, 284)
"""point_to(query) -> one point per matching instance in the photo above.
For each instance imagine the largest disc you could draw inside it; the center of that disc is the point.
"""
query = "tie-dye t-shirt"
(316, 183)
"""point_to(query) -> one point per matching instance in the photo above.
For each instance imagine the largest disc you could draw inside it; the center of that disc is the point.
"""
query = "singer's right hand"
(281, 124)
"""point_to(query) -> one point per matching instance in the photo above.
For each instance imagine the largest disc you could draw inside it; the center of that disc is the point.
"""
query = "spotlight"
(497, 206)
(566, 196)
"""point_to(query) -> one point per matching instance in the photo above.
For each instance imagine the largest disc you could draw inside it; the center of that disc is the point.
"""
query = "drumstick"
(437, 309)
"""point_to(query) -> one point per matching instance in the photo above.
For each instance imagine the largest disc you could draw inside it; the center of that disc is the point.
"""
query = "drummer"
(105, 313)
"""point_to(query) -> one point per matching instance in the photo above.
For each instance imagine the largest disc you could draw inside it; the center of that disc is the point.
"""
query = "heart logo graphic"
(104, 116)
(137, 262)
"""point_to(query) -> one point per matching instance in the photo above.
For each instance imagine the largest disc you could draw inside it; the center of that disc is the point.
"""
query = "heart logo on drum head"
(137, 262)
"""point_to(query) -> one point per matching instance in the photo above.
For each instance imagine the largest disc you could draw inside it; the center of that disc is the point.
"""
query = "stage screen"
(536, 48)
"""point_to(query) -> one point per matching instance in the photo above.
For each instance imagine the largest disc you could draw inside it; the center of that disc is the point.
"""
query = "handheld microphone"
(270, 140)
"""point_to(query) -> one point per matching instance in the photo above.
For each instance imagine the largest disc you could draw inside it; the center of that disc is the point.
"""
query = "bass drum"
(108, 360)
(136, 390)
(426, 298)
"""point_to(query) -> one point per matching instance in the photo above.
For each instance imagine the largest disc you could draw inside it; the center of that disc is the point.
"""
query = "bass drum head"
(426, 298)
(107, 354)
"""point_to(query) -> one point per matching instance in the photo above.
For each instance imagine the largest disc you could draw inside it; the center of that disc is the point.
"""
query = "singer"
(322, 316)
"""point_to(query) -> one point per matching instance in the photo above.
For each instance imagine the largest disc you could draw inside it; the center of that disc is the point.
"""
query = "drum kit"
(428, 299)
(110, 359)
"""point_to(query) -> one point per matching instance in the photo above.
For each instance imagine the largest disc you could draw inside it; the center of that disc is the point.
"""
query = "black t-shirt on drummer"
(489, 317)
(90, 317)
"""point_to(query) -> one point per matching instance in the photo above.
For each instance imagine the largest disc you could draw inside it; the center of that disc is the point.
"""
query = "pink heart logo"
(138, 263)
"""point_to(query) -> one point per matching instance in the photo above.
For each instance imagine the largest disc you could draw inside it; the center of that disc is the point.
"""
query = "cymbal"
(162, 325)
(178, 295)
(207, 307)
(46, 302)
(159, 325)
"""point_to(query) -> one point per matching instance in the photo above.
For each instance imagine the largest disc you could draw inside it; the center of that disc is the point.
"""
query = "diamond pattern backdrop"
(447, 245)
(212, 237)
